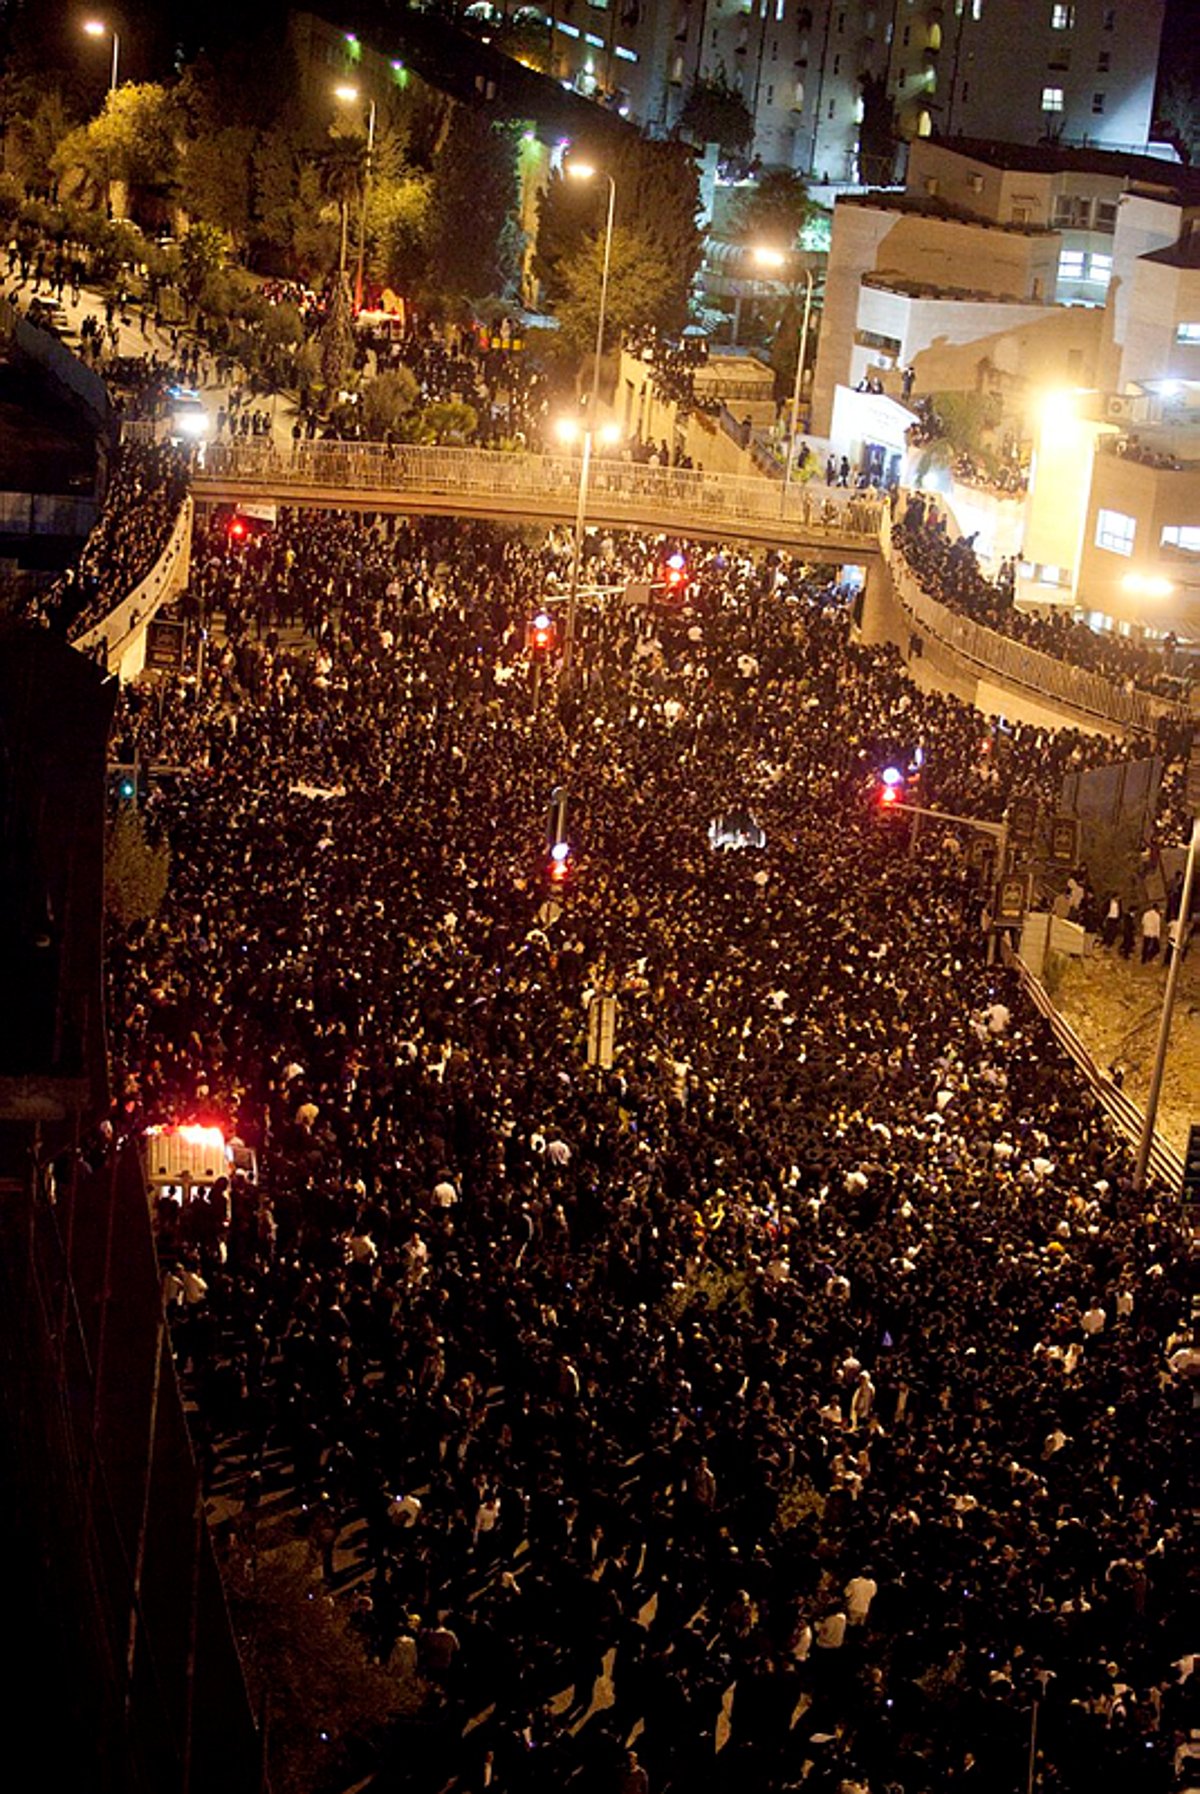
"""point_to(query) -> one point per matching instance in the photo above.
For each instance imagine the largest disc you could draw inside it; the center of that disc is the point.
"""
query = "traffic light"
(891, 785)
(675, 575)
(541, 633)
(559, 867)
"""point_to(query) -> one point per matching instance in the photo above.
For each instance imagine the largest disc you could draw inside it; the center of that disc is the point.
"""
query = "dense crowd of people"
(811, 1381)
(949, 571)
(147, 486)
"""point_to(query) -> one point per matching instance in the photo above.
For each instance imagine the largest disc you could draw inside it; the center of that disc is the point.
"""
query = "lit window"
(779, 6)
(1070, 264)
(1187, 333)
(1100, 268)
(1097, 102)
(977, 9)
(567, 30)
(1052, 99)
(597, 43)
(1115, 531)
(1062, 18)
(626, 55)
(1182, 535)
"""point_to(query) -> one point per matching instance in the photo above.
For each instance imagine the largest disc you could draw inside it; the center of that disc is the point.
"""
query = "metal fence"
(662, 497)
(110, 634)
(1053, 681)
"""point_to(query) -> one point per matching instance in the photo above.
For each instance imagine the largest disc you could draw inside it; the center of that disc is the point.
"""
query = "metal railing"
(108, 636)
(1053, 681)
(665, 497)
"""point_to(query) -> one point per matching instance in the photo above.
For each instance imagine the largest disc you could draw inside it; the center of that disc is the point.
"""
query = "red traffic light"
(560, 861)
(891, 785)
(675, 573)
(541, 632)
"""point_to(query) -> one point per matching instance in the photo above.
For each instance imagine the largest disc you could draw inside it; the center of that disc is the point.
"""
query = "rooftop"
(1140, 171)
(889, 282)
(1184, 254)
(920, 205)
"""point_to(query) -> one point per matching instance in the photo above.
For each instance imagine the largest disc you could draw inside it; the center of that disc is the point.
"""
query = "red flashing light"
(541, 632)
(560, 861)
(888, 795)
(237, 528)
(675, 573)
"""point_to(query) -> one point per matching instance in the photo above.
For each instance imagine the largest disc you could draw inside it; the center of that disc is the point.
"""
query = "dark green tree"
(716, 113)
(657, 202)
(136, 871)
(774, 211)
(337, 339)
(388, 401)
(641, 290)
(474, 191)
(214, 181)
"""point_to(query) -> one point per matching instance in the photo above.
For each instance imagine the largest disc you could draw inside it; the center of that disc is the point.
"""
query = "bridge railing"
(1052, 681)
(660, 494)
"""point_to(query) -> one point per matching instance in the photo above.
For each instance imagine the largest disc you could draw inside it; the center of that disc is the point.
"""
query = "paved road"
(135, 339)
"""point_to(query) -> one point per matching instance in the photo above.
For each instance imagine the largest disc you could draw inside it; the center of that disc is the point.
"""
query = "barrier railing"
(1165, 1163)
(668, 497)
(110, 634)
(1041, 674)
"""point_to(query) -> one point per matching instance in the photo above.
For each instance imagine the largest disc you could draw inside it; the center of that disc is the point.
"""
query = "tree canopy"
(716, 113)
(657, 200)
(474, 190)
(774, 211)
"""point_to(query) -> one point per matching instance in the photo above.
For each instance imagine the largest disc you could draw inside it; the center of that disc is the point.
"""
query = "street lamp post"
(350, 95)
(583, 171)
(773, 258)
(97, 28)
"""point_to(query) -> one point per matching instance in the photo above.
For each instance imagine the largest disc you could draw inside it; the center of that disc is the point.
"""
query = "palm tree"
(342, 168)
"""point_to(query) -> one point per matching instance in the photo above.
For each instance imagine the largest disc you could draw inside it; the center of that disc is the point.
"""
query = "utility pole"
(1168, 1008)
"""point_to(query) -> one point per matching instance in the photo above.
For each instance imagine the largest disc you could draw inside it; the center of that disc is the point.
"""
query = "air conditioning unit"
(1118, 408)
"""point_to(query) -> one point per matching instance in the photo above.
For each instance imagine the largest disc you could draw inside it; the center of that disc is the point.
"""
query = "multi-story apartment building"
(1076, 71)
(1066, 282)
(1021, 71)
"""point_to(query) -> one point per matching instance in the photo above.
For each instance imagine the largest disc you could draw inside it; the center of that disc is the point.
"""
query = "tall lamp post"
(97, 28)
(774, 258)
(1146, 1143)
(583, 171)
(349, 95)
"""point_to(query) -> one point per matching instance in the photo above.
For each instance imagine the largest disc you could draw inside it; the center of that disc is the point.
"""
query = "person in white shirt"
(860, 1591)
(831, 1631)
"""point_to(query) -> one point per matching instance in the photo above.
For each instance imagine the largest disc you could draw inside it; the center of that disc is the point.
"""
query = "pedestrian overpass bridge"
(825, 523)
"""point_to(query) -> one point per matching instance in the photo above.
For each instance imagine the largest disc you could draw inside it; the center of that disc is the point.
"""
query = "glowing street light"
(775, 259)
(97, 28)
